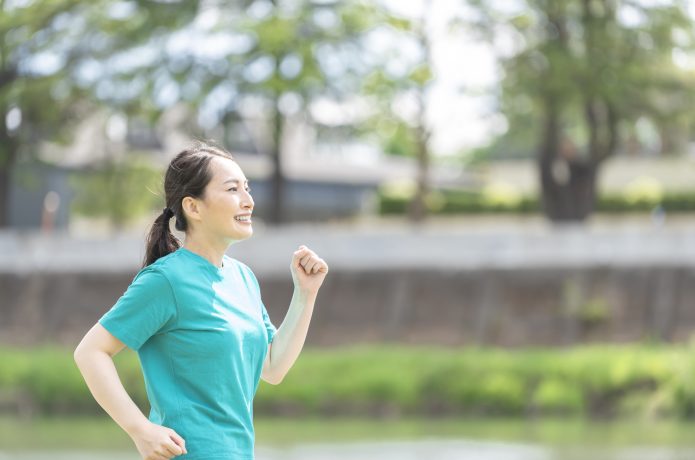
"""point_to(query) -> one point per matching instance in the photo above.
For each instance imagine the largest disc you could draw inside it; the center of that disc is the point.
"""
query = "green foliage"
(490, 392)
(449, 202)
(585, 56)
(458, 202)
(290, 49)
(120, 190)
(45, 46)
(588, 380)
(558, 396)
(682, 386)
(395, 76)
(50, 382)
(669, 202)
(593, 312)
(581, 79)
(396, 136)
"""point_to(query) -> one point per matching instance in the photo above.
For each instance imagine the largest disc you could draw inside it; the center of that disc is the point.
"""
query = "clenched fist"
(308, 270)
(156, 442)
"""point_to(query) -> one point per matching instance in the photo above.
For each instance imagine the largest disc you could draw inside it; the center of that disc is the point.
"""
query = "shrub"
(595, 380)
(558, 396)
(448, 202)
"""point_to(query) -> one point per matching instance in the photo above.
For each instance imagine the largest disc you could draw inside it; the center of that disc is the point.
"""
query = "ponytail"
(187, 175)
(160, 241)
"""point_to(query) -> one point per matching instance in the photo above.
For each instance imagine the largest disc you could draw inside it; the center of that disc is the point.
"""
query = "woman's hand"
(308, 270)
(156, 442)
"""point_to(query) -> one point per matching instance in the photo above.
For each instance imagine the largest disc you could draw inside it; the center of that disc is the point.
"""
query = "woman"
(195, 317)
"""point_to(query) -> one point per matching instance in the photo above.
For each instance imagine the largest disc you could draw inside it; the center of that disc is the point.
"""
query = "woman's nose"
(247, 202)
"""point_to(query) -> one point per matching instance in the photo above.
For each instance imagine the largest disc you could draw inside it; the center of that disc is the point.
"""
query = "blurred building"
(324, 180)
(40, 195)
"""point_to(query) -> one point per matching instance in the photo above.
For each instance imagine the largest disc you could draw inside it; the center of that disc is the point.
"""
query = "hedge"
(462, 202)
(593, 381)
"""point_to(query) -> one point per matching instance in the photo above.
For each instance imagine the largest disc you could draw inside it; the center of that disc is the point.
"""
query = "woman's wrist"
(304, 294)
(137, 427)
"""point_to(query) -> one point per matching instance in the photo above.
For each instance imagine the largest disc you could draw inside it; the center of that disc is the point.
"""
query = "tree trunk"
(277, 204)
(4, 197)
(568, 183)
(568, 180)
(568, 189)
(277, 181)
(673, 140)
(8, 154)
(417, 209)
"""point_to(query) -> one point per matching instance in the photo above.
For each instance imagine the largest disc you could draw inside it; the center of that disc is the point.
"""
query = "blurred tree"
(249, 62)
(301, 50)
(50, 54)
(114, 190)
(584, 70)
(404, 132)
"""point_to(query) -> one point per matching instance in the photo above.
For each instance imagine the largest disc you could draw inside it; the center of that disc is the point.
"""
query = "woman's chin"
(242, 234)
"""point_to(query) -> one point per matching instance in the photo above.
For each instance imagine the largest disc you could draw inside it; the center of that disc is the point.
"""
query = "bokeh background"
(504, 191)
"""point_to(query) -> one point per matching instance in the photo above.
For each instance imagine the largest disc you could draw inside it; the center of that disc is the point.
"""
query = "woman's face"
(226, 208)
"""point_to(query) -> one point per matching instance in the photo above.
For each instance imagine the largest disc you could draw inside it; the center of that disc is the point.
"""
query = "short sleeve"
(268, 325)
(266, 319)
(147, 307)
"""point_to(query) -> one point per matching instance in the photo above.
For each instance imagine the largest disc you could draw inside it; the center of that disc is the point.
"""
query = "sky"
(461, 106)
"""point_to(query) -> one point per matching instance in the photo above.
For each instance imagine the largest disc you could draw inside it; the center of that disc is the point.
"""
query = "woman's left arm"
(308, 272)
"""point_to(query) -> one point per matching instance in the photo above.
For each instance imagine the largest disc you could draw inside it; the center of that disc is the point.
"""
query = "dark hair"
(187, 175)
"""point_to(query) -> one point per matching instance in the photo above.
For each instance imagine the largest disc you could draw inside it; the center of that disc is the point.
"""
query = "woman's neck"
(211, 251)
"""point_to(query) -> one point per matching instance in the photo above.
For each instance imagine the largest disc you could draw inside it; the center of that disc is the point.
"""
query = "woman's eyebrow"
(233, 180)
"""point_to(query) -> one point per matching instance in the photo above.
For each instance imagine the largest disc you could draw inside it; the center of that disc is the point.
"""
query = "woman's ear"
(191, 209)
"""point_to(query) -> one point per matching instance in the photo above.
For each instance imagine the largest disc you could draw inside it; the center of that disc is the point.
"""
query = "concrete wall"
(510, 287)
(488, 307)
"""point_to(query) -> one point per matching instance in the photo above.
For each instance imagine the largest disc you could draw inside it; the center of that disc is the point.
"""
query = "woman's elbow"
(97, 341)
(271, 378)
(87, 350)
(79, 353)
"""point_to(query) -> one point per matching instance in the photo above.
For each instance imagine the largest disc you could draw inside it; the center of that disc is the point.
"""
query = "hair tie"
(168, 213)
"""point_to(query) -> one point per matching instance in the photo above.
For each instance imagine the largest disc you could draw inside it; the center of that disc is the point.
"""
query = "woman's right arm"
(94, 358)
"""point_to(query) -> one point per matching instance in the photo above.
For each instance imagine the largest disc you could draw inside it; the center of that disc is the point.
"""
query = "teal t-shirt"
(201, 333)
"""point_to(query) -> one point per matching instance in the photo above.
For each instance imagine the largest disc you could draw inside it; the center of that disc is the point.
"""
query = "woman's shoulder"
(165, 266)
(166, 261)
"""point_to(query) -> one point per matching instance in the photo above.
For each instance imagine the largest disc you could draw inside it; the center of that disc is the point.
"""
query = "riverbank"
(359, 438)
